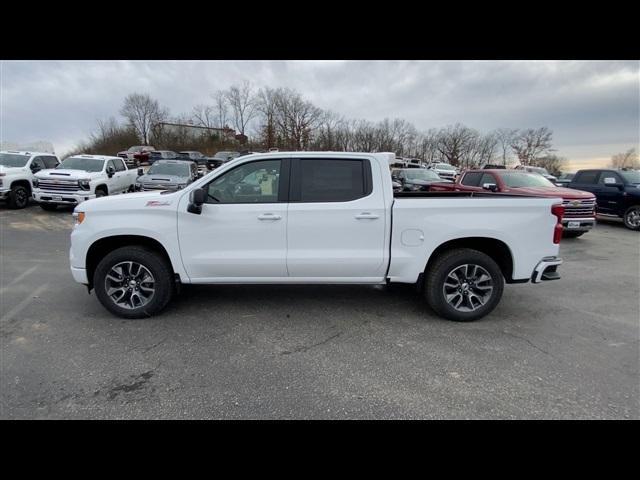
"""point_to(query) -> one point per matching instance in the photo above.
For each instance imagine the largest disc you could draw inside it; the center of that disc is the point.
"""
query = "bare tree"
(504, 137)
(296, 119)
(551, 162)
(243, 105)
(142, 113)
(204, 116)
(626, 159)
(455, 143)
(221, 107)
(532, 143)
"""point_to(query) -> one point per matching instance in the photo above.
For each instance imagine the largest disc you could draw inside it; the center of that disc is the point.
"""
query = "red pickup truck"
(579, 207)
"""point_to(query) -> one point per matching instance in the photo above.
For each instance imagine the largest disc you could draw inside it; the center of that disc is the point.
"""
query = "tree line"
(267, 118)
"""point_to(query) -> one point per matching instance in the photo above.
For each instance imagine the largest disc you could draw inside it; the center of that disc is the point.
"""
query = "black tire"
(570, 234)
(150, 260)
(446, 264)
(49, 207)
(19, 197)
(101, 192)
(631, 218)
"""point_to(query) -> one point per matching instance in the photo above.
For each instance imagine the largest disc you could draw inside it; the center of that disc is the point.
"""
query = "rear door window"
(608, 178)
(331, 180)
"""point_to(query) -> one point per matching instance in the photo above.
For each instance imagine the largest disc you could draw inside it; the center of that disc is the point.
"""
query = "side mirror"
(140, 172)
(490, 186)
(196, 199)
(35, 168)
(110, 171)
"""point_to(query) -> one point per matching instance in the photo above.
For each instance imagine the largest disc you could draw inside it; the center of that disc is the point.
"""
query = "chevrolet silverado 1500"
(313, 217)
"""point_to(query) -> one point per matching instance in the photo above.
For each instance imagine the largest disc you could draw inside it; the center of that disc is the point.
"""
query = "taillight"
(558, 211)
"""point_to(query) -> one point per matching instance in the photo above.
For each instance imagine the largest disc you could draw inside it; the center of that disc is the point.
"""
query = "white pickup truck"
(17, 172)
(313, 217)
(82, 177)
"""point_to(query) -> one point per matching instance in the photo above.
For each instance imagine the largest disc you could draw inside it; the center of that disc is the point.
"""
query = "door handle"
(367, 216)
(269, 216)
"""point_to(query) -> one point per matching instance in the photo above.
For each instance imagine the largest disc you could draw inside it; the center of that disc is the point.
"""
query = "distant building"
(197, 131)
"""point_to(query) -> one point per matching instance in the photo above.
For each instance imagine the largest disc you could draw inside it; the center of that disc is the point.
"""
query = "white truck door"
(240, 236)
(336, 225)
(122, 176)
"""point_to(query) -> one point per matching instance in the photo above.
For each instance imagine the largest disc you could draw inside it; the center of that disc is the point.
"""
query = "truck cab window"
(588, 177)
(255, 182)
(472, 179)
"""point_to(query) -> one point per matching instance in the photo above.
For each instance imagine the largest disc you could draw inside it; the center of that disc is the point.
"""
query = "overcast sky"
(593, 108)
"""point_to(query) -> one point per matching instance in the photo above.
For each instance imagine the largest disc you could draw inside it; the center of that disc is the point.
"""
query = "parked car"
(81, 178)
(415, 179)
(17, 172)
(313, 218)
(444, 170)
(161, 155)
(168, 175)
(539, 170)
(579, 207)
(617, 193)
(221, 157)
(564, 180)
(133, 155)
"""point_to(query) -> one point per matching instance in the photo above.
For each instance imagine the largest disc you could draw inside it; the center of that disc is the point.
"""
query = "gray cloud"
(592, 107)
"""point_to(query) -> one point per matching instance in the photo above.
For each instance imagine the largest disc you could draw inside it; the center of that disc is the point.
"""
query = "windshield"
(136, 149)
(13, 159)
(178, 169)
(79, 163)
(445, 166)
(540, 170)
(631, 176)
(517, 180)
(567, 176)
(419, 174)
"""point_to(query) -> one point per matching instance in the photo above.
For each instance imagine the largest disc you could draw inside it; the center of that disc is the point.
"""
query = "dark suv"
(617, 193)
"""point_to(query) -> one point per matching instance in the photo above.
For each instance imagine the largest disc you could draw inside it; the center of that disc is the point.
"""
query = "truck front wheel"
(463, 285)
(19, 196)
(133, 282)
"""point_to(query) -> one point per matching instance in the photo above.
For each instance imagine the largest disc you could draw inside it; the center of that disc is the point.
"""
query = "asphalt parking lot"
(566, 349)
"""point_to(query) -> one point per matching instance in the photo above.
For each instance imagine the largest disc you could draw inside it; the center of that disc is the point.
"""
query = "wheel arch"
(103, 246)
(102, 186)
(23, 183)
(494, 248)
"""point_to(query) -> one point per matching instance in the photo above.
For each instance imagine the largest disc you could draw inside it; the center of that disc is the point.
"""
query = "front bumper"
(4, 193)
(62, 198)
(584, 224)
(547, 269)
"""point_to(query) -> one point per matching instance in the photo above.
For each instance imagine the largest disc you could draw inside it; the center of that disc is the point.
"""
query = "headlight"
(413, 186)
(84, 183)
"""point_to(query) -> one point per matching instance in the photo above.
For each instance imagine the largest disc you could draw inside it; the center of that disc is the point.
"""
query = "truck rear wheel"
(463, 285)
(133, 282)
(632, 218)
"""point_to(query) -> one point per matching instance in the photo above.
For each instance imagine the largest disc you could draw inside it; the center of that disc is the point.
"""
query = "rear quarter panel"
(525, 225)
